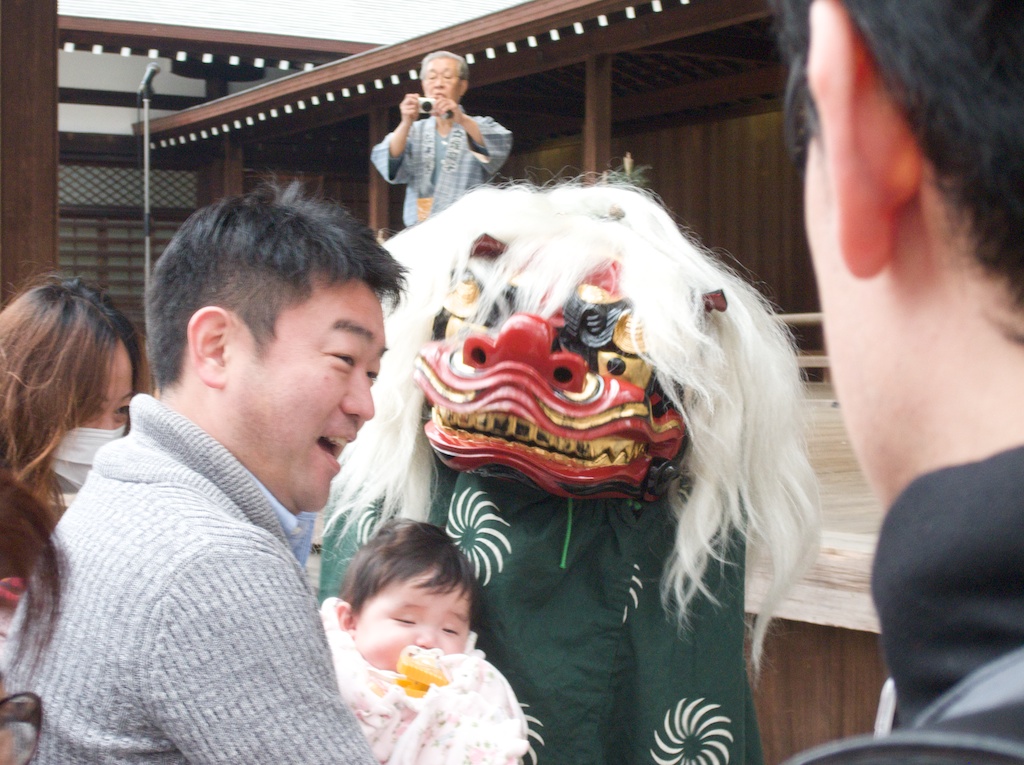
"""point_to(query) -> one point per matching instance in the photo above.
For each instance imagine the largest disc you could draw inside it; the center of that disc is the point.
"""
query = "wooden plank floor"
(836, 591)
(847, 503)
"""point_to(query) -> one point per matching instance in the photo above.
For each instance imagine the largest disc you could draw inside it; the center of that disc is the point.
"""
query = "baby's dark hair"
(403, 550)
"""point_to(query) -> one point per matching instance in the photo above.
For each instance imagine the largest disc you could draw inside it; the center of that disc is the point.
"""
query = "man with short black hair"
(442, 157)
(906, 119)
(265, 335)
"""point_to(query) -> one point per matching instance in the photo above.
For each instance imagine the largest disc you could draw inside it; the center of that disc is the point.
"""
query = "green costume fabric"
(573, 618)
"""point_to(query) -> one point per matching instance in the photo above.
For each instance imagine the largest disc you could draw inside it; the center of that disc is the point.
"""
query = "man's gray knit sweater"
(187, 630)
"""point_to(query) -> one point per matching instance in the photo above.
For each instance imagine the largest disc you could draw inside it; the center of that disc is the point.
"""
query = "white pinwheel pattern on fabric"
(365, 526)
(533, 735)
(474, 524)
(635, 585)
(693, 735)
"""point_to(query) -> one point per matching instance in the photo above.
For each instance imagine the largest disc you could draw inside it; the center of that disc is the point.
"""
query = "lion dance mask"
(567, 402)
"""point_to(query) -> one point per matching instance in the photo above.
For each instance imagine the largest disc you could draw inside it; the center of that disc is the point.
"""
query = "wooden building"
(692, 90)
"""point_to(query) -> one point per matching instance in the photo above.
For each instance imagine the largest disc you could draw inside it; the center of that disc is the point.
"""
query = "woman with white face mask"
(77, 450)
(69, 364)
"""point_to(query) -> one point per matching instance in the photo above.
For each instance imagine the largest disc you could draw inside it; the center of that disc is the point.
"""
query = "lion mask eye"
(629, 334)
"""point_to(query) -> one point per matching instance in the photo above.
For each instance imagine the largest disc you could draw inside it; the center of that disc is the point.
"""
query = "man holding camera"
(443, 156)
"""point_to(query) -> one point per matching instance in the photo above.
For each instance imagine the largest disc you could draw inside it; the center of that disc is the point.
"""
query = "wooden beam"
(122, 98)
(563, 105)
(28, 141)
(99, 147)
(675, 22)
(126, 151)
(767, 81)
(516, 23)
(138, 34)
(597, 123)
(629, 127)
(735, 48)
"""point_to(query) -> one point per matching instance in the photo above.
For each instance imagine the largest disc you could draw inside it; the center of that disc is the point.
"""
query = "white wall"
(112, 71)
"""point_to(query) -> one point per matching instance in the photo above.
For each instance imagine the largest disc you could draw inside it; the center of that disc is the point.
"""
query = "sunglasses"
(21, 716)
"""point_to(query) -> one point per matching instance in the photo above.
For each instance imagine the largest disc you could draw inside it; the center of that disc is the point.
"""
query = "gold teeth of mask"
(600, 452)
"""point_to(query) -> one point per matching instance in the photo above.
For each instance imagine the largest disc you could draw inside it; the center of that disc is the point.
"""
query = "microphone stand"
(147, 95)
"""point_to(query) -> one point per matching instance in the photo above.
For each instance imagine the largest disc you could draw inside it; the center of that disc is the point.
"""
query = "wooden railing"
(807, 359)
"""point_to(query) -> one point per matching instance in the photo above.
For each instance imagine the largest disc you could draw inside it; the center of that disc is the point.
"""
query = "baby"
(411, 596)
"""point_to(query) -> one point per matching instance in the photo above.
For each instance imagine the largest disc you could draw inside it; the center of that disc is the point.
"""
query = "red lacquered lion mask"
(566, 402)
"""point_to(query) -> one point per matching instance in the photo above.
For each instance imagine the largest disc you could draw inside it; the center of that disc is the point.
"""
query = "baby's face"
(404, 614)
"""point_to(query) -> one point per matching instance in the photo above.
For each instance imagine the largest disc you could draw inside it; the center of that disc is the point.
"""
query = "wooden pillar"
(378, 188)
(597, 120)
(216, 87)
(29, 146)
(224, 176)
(234, 168)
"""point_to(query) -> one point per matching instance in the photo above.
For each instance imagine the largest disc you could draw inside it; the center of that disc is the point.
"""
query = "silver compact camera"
(426, 105)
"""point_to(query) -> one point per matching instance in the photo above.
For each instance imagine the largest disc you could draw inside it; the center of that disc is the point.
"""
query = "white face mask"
(75, 455)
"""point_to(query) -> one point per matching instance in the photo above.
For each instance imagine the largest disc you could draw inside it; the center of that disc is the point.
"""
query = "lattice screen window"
(91, 186)
(101, 232)
(111, 253)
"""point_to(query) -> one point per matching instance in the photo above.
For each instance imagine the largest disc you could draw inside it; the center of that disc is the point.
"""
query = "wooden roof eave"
(493, 30)
(136, 34)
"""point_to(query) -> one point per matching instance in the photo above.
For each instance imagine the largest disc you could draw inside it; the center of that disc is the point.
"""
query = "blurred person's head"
(905, 120)
(266, 330)
(444, 74)
(27, 554)
(954, 72)
(69, 364)
(409, 585)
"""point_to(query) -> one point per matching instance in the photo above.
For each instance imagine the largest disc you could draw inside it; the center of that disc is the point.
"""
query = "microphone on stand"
(147, 79)
(145, 95)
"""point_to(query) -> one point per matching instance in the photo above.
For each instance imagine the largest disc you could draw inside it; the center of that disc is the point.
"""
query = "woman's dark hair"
(54, 337)
(27, 554)
(403, 550)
